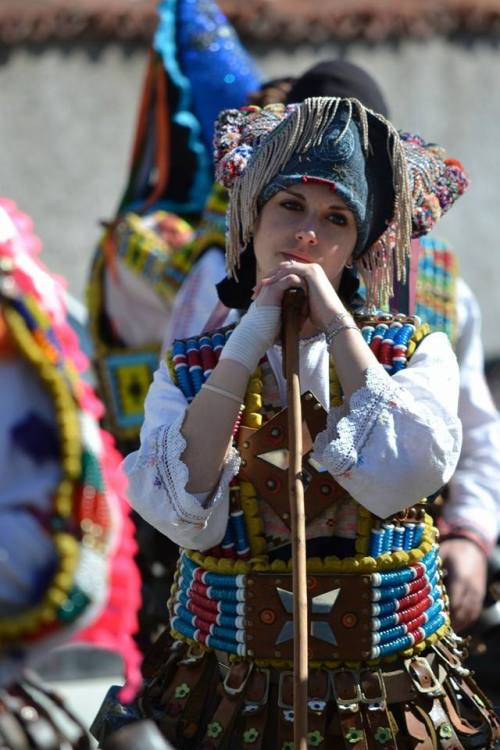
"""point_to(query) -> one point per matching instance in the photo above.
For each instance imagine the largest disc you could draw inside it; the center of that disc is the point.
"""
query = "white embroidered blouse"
(473, 500)
(397, 441)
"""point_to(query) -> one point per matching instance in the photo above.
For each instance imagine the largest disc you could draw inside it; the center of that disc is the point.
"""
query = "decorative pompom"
(238, 132)
(436, 182)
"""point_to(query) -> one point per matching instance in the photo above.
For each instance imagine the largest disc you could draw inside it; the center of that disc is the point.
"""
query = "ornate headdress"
(396, 185)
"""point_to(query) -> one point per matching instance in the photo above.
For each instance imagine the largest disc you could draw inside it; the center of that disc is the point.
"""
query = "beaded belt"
(352, 616)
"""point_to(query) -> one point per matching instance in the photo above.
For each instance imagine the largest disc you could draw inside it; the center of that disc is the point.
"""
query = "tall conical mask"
(221, 72)
(198, 67)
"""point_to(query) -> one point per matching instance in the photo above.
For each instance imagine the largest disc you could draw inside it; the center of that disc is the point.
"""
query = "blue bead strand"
(367, 332)
(376, 542)
(397, 539)
(409, 536)
(388, 537)
(238, 525)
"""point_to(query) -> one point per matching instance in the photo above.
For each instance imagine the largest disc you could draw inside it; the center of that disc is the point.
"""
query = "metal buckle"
(281, 704)
(192, 657)
(347, 704)
(318, 703)
(236, 691)
(453, 663)
(434, 689)
(378, 702)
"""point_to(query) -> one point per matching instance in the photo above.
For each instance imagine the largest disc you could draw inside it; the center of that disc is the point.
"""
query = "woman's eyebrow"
(336, 206)
(340, 208)
(296, 195)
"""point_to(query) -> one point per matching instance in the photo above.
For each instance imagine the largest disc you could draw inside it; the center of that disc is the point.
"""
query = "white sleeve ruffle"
(158, 476)
(398, 439)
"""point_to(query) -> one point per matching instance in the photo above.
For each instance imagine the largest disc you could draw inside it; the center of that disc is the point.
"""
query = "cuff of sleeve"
(451, 531)
(175, 476)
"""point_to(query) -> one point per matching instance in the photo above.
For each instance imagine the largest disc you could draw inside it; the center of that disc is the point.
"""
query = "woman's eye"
(338, 218)
(291, 205)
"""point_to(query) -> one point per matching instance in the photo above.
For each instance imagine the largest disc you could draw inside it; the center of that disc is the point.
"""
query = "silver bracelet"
(223, 392)
(339, 319)
(330, 335)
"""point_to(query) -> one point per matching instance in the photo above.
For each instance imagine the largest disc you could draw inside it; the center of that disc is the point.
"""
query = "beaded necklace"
(393, 340)
(410, 613)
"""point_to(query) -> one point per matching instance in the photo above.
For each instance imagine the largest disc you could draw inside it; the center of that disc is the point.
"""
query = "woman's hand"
(466, 567)
(322, 299)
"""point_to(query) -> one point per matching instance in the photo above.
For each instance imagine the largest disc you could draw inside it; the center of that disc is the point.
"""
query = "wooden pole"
(292, 318)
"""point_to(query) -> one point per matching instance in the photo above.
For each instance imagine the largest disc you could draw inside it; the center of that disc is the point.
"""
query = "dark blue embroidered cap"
(339, 162)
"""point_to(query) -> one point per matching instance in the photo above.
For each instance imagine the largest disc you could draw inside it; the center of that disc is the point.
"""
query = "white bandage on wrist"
(253, 336)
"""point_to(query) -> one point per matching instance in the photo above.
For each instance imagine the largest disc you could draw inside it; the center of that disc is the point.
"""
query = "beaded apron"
(436, 286)
(385, 668)
(395, 572)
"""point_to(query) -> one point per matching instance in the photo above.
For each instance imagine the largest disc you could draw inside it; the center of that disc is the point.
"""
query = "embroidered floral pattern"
(214, 729)
(250, 736)
(383, 735)
(172, 473)
(314, 739)
(445, 731)
(354, 735)
(182, 690)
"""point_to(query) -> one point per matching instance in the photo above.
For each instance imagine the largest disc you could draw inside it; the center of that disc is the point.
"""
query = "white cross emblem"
(320, 605)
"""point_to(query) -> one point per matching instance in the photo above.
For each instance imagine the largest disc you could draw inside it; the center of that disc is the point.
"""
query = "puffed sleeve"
(158, 476)
(398, 440)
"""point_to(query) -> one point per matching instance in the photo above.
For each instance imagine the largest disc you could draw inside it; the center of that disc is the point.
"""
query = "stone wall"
(68, 116)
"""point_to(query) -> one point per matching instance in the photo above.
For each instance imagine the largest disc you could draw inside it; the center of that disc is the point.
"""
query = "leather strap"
(476, 700)
(232, 692)
(419, 727)
(285, 712)
(184, 696)
(423, 676)
(381, 728)
(11, 732)
(347, 695)
(399, 687)
(256, 709)
(447, 737)
(318, 695)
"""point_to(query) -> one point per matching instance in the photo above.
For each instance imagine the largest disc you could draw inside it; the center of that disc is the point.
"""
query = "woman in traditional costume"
(319, 193)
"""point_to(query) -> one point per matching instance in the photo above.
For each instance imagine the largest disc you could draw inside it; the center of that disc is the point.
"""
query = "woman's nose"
(308, 236)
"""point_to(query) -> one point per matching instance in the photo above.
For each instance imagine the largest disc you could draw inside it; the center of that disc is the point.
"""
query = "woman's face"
(307, 222)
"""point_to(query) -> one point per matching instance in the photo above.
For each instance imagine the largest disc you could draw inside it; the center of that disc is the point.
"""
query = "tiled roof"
(70, 20)
(290, 21)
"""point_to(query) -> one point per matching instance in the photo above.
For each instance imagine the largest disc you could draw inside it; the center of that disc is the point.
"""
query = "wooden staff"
(293, 303)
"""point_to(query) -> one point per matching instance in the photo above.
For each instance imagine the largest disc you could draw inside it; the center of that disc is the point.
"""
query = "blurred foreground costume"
(66, 539)
(385, 666)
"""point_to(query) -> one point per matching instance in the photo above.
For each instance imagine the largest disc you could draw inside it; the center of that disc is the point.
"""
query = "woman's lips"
(296, 256)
